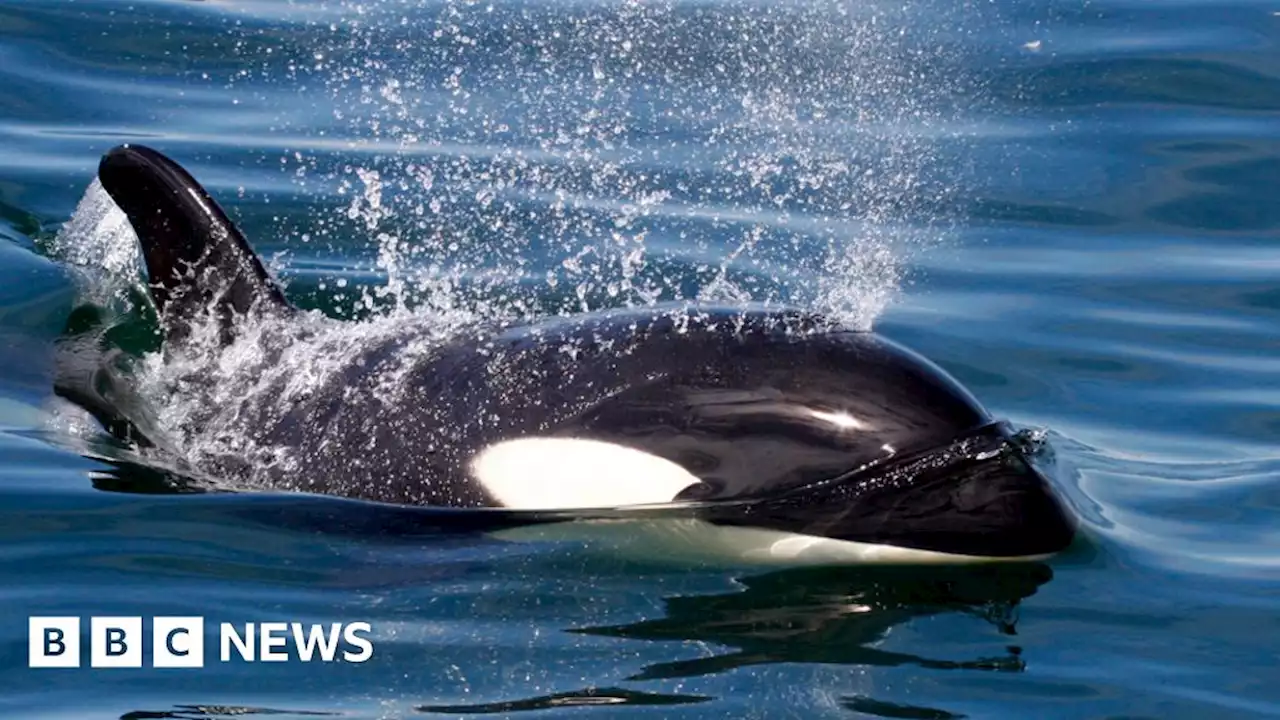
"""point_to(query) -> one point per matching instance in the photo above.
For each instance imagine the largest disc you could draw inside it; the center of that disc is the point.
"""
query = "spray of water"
(100, 245)
(507, 161)
(616, 154)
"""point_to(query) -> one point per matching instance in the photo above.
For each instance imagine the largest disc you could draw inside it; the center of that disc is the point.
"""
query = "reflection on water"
(836, 616)
(586, 696)
(827, 616)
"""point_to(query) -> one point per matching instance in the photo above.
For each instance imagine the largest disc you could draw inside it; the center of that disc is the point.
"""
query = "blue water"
(1070, 206)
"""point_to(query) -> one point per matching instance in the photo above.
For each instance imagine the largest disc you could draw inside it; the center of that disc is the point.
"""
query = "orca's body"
(766, 436)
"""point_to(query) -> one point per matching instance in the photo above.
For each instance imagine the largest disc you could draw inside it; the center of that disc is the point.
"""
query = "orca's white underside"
(693, 541)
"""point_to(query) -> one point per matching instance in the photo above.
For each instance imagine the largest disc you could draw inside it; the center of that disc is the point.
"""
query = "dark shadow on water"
(879, 708)
(576, 698)
(217, 712)
(136, 479)
(834, 616)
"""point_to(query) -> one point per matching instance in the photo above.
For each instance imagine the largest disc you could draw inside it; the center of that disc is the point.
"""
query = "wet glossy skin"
(790, 424)
(752, 404)
(801, 429)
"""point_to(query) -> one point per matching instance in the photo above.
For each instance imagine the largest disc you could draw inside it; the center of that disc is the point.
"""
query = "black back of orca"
(776, 419)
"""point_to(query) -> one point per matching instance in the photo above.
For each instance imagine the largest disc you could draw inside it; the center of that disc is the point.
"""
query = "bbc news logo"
(178, 642)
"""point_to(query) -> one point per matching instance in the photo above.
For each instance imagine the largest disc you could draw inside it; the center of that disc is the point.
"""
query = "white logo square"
(177, 642)
(115, 642)
(53, 642)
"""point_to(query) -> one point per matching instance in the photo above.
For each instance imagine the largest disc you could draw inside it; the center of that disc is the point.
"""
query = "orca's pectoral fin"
(197, 261)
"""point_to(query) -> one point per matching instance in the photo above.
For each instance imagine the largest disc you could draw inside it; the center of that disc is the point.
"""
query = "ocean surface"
(1074, 207)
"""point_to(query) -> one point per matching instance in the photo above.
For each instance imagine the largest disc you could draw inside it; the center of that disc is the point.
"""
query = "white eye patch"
(571, 473)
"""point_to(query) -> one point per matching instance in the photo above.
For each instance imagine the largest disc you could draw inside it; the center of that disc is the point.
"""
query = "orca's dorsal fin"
(197, 260)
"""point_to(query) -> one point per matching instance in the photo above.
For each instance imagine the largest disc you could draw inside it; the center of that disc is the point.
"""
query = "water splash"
(99, 243)
(504, 162)
(621, 154)
(219, 402)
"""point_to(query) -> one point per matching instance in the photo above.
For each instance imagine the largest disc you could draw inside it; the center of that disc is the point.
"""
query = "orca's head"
(926, 470)
(977, 498)
(835, 445)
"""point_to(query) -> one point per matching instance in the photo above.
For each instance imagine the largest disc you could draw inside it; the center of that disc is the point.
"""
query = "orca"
(760, 435)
